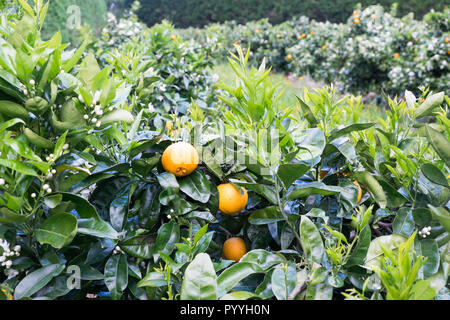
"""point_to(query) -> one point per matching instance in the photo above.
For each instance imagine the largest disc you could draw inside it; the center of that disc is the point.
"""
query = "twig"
(296, 291)
(228, 233)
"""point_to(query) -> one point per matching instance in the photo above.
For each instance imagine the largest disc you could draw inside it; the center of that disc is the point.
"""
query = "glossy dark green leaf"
(429, 249)
(268, 192)
(234, 274)
(264, 259)
(442, 215)
(404, 222)
(422, 217)
(433, 174)
(118, 209)
(90, 273)
(153, 279)
(168, 180)
(290, 172)
(203, 215)
(168, 235)
(150, 207)
(36, 280)
(306, 189)
(358, 255)
(18, 166)
(116, 275)
(200, 282)
(264, 289)
(196, 186)
(311, 241)
(83, 207)
(140, 246)
(58, 230)
(97, 228)
(265, 216)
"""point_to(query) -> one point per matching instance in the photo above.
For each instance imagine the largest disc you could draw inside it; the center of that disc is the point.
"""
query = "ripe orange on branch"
(231, 200)
(234, 249)
(180, 158)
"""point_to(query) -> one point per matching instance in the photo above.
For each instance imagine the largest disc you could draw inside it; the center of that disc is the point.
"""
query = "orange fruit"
(231, 200)
(447, 40)
(359, 191)
(173, 37)
(396, 55)
(324, 47)
(234, 249)
(289, 57)
(278, 36)
(180, 158)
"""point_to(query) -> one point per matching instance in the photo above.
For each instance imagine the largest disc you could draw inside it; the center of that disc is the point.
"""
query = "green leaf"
(168, 235)
(58, 230)
(234, 274)
(362, 246)
(373, 186)
(239, 295)
(36, 280)
(267, 192)
(429, 249)
(200, 282)
(440, 143)
(116, 275)
(196, 186)
(311, 241)
(375, 252)
(404, 224)
(97, 228)
(433, 174)
(283, 280)
(320, 291)
(428, 106)
(290, 172)
(83, 207)
(69, 64)
(265, 216)
(140, 246)
(306, 189)
(18, 166)
(353, 127)
(264, 259)
(153, 279)
(422, 291)
(442, 215)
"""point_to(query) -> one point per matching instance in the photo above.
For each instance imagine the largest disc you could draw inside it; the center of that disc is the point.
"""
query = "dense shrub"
(372, 51)
(185, 13)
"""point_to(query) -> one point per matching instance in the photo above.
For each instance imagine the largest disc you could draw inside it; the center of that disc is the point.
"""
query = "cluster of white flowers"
(5, 258)
(425, 232)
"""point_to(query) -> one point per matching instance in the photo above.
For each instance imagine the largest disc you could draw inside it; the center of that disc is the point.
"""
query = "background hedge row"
(185, 13)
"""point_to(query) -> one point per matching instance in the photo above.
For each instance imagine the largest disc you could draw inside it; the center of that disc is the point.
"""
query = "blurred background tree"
(185, 13)
(92, 12)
